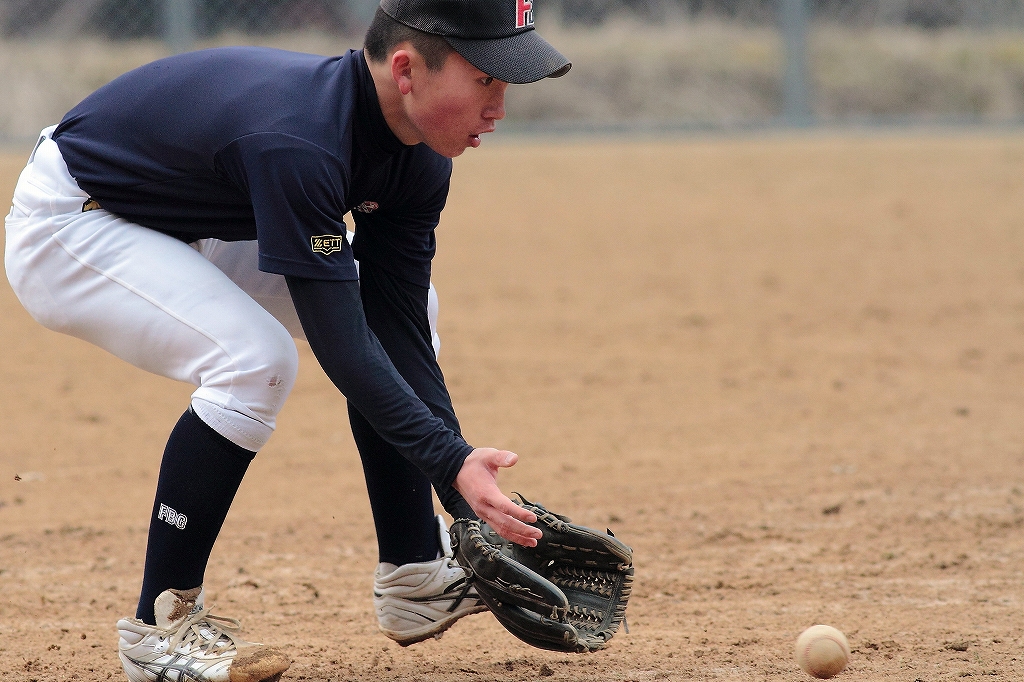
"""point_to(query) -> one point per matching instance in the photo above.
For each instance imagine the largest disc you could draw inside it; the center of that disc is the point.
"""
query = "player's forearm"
(332, 318)
(396, 311)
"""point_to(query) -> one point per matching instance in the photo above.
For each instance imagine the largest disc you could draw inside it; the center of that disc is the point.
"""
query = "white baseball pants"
(201, 313)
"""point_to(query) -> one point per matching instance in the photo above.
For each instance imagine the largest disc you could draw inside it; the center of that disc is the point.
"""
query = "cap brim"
(522, 58)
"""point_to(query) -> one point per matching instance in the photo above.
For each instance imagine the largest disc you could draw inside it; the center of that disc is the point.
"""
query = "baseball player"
(188, 218)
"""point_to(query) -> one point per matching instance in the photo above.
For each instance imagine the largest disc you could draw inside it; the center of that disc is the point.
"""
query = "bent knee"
(264, 385)
(281, 365)
(242, 403)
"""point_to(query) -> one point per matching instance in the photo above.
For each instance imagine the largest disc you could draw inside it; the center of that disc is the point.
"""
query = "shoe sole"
(407, 637)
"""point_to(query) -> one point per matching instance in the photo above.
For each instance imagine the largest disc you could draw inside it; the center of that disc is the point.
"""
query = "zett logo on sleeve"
(327, 243)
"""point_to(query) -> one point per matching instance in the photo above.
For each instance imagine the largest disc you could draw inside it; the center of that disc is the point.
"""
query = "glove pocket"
(570, 543)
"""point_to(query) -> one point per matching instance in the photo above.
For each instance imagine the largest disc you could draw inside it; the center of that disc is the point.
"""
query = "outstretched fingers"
(477, 482)
(510, 521)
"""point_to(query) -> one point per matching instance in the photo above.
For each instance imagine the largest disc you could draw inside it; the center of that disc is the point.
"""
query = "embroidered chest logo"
(524, 13)
(327, 244)
(367, 207)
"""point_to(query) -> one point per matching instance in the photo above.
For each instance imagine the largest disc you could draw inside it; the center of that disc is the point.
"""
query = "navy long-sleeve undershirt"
(332, 318)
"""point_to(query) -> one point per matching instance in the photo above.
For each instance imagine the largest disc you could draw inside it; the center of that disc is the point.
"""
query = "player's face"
(456, 105)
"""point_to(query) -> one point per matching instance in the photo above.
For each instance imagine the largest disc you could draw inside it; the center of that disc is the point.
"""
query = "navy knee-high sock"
(199, 476)
(403, 510)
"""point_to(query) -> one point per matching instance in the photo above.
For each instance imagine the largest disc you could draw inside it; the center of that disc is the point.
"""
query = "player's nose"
(496, 107)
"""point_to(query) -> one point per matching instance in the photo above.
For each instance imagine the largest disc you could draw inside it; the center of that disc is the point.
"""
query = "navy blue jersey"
(255, 143)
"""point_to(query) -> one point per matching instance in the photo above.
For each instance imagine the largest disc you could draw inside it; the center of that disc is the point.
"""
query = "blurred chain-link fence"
(637, 63)
(175, 19)
(129, 19)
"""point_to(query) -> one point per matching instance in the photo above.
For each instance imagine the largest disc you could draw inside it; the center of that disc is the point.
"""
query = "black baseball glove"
(568, 593)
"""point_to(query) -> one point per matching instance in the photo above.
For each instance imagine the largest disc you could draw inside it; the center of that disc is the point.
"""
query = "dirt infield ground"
(788, 371)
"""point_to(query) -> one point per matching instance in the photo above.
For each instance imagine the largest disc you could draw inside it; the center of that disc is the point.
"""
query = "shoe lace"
(467, 591)
(191, 632)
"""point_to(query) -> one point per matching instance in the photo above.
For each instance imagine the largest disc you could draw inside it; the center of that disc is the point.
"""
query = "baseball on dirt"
(822, 651)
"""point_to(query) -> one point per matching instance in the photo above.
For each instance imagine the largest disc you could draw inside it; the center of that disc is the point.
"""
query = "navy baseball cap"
(495, 36)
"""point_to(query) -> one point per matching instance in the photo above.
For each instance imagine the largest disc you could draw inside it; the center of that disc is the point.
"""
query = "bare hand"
(477, 482)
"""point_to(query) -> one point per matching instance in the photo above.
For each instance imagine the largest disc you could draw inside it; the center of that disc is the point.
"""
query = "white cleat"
(418, 601)
(190, 644)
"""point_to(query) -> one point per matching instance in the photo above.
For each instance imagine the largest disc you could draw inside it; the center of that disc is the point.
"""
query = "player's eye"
(487, 80)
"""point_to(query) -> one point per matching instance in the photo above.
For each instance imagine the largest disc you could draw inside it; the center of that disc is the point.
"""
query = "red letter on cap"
(524, 13)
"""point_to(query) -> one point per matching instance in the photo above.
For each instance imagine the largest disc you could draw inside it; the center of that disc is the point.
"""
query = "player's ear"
(401, 70)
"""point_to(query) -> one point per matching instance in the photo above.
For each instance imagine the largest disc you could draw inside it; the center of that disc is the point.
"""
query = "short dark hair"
(385, 33)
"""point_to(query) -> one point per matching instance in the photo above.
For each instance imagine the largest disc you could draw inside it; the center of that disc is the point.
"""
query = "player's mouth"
(474, 139)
